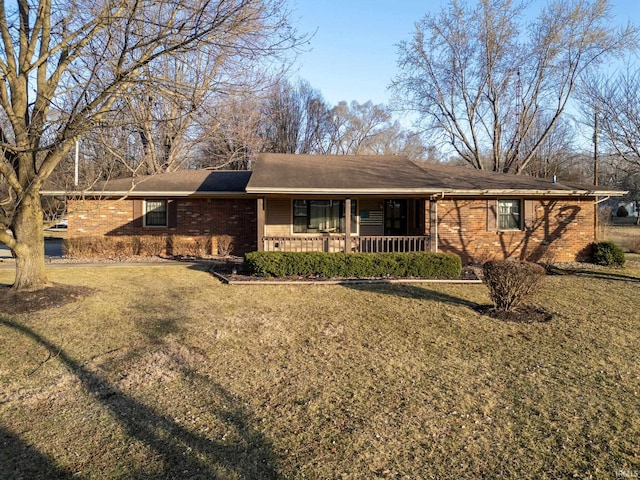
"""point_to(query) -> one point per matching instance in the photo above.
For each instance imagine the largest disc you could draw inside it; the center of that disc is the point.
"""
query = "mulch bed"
(52, 296)
(525, 314)
(231, 269)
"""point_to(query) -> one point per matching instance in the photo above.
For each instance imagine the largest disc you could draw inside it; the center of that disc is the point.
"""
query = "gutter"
(339, 191)
(135, 193)
(439, 192)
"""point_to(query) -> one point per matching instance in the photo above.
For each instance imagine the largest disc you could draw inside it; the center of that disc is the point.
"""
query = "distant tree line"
(150, 132)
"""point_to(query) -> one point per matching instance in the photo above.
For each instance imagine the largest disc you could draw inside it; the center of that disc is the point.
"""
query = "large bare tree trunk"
(29, 249)
(67, 66)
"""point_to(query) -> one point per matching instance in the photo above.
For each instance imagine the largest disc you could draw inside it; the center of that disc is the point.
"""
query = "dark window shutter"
(173, 213)
(529, 214)
(492, 216)
(137, 214)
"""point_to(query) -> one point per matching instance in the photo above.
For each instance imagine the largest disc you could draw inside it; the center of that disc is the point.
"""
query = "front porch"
(346, 224)
(339, 243)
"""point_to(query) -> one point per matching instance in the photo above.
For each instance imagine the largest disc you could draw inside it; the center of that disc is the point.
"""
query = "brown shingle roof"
(341, 175)
(178, 183)
(465, 178)
(384, 174)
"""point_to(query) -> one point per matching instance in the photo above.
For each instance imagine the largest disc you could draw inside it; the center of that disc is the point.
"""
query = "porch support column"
(260, 222)
(433, 224)
(347, 225)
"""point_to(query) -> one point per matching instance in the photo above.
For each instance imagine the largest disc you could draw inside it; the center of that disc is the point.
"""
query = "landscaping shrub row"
(353, 265)
(148, 245)
(101, 247)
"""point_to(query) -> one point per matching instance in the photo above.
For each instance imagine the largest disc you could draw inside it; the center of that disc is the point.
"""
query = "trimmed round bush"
(622, 212)
(607, 254)
(512, 283)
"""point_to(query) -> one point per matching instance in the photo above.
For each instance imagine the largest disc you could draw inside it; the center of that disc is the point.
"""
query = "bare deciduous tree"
(65, 66)
(283, 115)
(233, 139)
(493, 87)
(615, 101)
(294, 118)
(556, 154)
(366, 129)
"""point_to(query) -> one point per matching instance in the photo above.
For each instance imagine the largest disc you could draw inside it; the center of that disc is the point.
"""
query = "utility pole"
(595, 147)
(595, 171)
(76, 162)
(518, 119)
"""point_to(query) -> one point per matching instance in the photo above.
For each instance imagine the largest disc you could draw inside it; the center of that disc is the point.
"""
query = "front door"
(395, 217)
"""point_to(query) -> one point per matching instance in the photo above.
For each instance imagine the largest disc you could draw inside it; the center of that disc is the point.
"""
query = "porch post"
(260, 223)
(433, 224)
(347, 225)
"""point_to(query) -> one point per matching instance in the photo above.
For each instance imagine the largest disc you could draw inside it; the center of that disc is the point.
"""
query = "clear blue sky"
(353, 54)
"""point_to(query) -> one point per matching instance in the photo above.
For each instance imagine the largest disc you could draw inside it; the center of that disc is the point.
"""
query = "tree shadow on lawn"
(413, 292)
(19, 460)
(184, 454)
(526, 314)
(600, 275)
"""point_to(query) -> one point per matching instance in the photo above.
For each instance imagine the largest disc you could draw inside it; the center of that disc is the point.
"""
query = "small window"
(155, 213)
(509, 215)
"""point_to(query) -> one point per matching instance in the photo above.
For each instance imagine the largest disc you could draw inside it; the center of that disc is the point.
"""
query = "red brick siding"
(561, 230)
(196, 217)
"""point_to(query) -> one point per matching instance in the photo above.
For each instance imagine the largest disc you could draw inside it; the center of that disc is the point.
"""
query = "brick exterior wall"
(196, 217)
(558, 229)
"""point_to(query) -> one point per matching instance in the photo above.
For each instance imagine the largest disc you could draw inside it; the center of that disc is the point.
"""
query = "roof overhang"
(440, 193)
(138, 194)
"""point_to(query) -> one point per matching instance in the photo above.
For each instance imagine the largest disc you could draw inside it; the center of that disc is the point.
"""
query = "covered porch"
(376, 224)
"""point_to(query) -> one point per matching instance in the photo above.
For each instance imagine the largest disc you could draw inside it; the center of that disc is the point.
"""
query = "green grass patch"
(164, 372)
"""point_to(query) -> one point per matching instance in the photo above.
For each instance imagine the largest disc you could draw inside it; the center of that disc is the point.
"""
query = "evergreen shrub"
(353, 265)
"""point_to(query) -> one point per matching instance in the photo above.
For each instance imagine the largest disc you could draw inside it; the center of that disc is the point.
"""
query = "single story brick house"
(353, 204)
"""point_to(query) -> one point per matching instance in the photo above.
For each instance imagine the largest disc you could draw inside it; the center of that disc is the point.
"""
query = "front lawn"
(164, 372)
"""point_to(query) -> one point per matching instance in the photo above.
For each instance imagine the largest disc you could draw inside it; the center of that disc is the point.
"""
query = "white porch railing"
(337, 243)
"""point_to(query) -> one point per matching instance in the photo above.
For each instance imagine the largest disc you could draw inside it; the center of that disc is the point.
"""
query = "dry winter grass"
(626, 236)
(163, 372)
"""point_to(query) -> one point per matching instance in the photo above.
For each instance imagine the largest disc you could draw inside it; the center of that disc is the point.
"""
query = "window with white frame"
(509, 214)
(155, 213)
(322, 216)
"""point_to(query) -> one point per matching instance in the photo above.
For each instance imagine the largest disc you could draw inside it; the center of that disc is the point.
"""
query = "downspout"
(596, 225)
(603, 199)
(433, 222)
(260, 213)
(347, 225)
(435, 225)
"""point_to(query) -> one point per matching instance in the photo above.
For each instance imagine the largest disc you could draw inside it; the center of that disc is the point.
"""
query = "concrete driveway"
(52, 249)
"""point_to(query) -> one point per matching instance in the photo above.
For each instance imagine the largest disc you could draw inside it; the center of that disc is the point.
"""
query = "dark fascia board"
(136, 194)
(441, 193)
